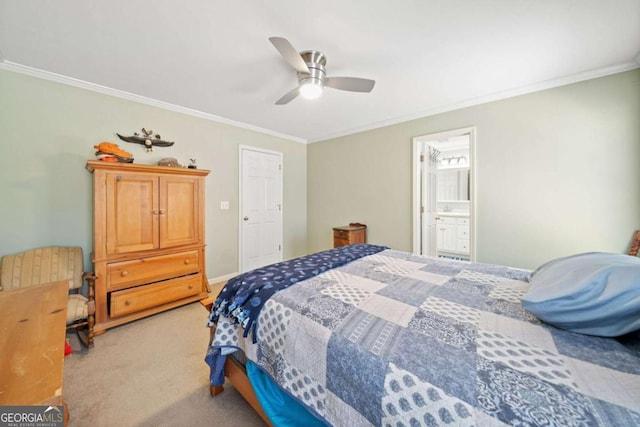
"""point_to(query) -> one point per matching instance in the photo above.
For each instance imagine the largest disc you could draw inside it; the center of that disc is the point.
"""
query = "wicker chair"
(50, 264)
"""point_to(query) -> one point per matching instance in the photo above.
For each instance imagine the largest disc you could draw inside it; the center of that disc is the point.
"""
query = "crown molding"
(548, 84)
(70, 81)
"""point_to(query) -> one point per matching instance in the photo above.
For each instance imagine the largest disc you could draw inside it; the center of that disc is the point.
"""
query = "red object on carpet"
(67, 348)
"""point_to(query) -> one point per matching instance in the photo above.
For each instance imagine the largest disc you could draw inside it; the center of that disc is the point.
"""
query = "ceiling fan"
(312, 77)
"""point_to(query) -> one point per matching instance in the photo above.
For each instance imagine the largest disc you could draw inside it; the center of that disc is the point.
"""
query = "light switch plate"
(224, 205)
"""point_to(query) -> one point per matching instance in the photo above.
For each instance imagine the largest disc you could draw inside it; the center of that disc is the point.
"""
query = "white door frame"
(242, 148)
(417, 184)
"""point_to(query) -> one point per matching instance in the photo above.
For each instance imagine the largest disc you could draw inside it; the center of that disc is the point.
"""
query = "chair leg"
(83, 336)
(91, 306)
(91, 320)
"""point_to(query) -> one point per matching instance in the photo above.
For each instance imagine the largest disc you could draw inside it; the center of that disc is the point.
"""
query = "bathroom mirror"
(453, 184)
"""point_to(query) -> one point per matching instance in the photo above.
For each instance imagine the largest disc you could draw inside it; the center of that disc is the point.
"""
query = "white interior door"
(260, 208)
(429, 201)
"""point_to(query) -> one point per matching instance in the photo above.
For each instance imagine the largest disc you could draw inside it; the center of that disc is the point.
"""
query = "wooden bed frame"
(236, 374)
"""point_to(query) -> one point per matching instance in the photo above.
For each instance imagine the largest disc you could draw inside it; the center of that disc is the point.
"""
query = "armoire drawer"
(147, 296)
(125, 274)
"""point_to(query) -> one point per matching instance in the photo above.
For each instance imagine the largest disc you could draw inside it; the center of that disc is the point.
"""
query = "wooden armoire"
(148, 240)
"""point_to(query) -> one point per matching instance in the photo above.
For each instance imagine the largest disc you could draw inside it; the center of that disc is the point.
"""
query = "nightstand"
(349, 234)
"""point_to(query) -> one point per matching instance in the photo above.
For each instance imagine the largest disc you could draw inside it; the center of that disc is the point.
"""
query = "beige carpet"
(150, 372)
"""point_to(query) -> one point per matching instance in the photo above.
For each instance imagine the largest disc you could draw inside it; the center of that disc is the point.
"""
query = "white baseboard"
(223, 278)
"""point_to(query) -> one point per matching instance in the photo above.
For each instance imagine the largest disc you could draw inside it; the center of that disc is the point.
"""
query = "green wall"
(47, 133)
(556, 173)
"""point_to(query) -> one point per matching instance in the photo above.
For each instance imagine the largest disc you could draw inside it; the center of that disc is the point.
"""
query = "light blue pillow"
(592, 293)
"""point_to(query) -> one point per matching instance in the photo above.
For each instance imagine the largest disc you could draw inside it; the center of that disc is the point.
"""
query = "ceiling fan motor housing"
(316, 62)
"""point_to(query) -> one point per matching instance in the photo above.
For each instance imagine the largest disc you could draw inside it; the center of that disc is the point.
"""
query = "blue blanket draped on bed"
(244, 295)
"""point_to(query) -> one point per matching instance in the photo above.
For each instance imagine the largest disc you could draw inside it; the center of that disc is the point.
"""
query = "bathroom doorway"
(443, 194)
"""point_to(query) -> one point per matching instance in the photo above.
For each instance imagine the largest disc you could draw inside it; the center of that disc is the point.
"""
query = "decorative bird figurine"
(147, 140)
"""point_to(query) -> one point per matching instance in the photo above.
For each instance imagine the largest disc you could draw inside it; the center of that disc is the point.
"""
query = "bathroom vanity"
(453, 234)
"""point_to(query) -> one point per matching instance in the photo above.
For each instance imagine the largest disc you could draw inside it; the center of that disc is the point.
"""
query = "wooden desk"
(32, 336)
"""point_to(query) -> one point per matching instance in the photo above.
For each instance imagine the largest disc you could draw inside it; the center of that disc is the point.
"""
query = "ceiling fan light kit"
(311, 89)
(312, 78)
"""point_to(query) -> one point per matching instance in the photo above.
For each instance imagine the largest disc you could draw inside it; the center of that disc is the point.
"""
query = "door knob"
(246, 218)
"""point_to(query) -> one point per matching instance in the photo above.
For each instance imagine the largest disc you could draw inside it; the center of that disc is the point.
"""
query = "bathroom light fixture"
(455, 160)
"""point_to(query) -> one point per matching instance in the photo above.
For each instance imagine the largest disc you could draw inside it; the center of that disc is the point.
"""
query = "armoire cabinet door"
(179, 211)
(132, 212)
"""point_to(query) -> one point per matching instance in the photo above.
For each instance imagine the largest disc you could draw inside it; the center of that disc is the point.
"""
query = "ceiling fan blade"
(353, 84)
(290, 54)
(289, 96)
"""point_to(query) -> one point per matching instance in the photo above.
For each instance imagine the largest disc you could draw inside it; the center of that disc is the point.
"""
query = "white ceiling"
(214, 58)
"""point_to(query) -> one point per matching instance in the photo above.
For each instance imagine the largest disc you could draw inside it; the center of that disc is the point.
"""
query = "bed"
(365, 335)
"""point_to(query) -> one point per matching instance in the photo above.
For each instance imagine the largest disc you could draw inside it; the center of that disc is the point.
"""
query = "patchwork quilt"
(394, 339)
